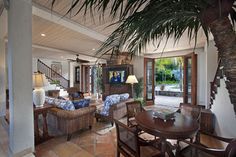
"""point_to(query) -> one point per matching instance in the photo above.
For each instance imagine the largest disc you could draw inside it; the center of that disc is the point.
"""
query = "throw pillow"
(64, 104)
(81, 103)
(110, 100)
(115, 98)
(49, 100)
(124, 96)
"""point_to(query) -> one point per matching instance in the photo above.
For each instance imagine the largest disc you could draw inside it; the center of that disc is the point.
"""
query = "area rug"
(102, 130)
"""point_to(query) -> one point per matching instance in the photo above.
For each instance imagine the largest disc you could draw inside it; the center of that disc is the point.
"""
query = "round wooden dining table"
(180, 127)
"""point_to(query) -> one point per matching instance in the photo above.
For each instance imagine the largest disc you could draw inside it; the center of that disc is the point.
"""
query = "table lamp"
(39, 81)
(131, 80)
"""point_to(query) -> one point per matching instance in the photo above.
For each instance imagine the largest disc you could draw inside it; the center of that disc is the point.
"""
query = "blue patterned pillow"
(81, 103)
(110, 100)
(115, 98)
(49, 100)
(64, 104)
(124, 96)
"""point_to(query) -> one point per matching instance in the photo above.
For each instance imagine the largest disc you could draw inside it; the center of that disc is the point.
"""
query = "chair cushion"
(60, 103)
(81, 103)
(64, 104)
(110, 100)
(124, 96)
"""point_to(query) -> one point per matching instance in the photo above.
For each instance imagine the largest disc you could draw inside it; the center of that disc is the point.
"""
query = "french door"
(190, 79)
(149, 81)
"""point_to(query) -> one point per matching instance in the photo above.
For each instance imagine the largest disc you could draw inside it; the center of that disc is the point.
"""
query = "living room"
(36, 37)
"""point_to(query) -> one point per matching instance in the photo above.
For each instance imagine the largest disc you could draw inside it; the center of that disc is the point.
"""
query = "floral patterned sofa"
(114, 106)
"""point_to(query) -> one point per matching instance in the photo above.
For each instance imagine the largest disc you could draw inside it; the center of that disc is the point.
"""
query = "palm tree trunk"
(225, 40)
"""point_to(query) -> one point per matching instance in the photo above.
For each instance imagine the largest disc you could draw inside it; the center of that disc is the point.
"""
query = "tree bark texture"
(225, 40)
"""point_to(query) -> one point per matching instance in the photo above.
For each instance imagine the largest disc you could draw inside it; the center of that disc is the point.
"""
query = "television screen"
(117, 76)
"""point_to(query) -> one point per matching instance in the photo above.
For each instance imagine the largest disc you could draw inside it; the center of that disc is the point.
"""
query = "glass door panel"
(149, 80)
(190, 79)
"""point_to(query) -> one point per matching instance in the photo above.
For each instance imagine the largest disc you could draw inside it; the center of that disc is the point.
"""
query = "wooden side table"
(37, 111)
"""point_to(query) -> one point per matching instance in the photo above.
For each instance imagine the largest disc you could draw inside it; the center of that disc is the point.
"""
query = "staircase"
(229, 75)
(52, 75)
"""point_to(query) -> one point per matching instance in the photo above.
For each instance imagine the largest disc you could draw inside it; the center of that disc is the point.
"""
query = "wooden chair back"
(230, 150)
(193, 111)
(127, 140)
(133, 108)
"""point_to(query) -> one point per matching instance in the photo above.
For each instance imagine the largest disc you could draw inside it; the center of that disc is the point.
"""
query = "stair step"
(233, 99)
(231, 79)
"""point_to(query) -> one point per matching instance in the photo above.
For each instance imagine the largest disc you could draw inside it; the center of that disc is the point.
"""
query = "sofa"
(69, 120)
(113, 108)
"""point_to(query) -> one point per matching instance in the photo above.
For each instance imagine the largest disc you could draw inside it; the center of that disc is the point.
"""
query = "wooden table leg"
(163, 147)
(45, 126)
(36, 129)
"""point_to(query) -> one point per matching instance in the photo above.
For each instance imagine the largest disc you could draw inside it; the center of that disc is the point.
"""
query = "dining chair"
(129, 143)
(206, 151)
(133, 108)
(193, 111)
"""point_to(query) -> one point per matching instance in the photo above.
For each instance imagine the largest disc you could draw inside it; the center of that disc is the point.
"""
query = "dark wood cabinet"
(116, 88)
(207, 121)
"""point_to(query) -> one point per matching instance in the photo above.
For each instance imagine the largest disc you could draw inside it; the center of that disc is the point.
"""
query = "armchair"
(203, 150)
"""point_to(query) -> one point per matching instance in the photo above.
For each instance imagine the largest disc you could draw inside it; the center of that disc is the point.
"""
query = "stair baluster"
(52, 75)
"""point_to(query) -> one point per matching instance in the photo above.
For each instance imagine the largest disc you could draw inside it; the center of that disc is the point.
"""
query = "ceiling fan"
(77, 60)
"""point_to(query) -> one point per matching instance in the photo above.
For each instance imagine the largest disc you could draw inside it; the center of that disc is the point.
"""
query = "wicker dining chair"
(133, 108)
(129, 143)
(203, 150)
(193, 111)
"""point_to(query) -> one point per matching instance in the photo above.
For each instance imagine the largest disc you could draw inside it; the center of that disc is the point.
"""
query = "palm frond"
(157, 20)
(142, 22)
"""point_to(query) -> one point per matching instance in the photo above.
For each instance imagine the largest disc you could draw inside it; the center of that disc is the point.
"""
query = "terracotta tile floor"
(98, 142)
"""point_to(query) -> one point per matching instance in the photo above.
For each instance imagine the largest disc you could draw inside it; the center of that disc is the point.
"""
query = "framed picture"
(57, 69)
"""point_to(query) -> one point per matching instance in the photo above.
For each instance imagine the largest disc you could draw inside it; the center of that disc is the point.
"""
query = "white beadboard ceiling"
(80, 34)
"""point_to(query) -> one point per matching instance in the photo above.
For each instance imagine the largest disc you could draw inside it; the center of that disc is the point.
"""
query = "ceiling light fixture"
(43, 35)
(93, 49)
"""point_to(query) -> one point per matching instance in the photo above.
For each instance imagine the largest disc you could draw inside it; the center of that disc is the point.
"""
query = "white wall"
(211, 67)
(138, 64)
(201, 76)
(72, 66)
(225, 118)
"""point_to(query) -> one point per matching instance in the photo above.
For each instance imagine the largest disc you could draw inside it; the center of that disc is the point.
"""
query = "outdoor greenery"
(168, 70)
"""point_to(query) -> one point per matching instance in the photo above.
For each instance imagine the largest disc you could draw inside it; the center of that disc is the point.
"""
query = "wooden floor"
(98, 142)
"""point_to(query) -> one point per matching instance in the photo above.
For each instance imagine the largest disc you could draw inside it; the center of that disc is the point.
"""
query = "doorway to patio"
(168, 81)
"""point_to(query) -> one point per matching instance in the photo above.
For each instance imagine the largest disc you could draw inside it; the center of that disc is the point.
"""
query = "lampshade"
(39, 80)
(131, 79)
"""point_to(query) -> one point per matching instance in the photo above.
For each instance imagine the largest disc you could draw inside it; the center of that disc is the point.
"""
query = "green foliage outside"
(164, 70)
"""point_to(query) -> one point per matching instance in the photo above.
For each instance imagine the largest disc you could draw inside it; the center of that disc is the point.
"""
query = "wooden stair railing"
(52, 75)
(216, 82)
